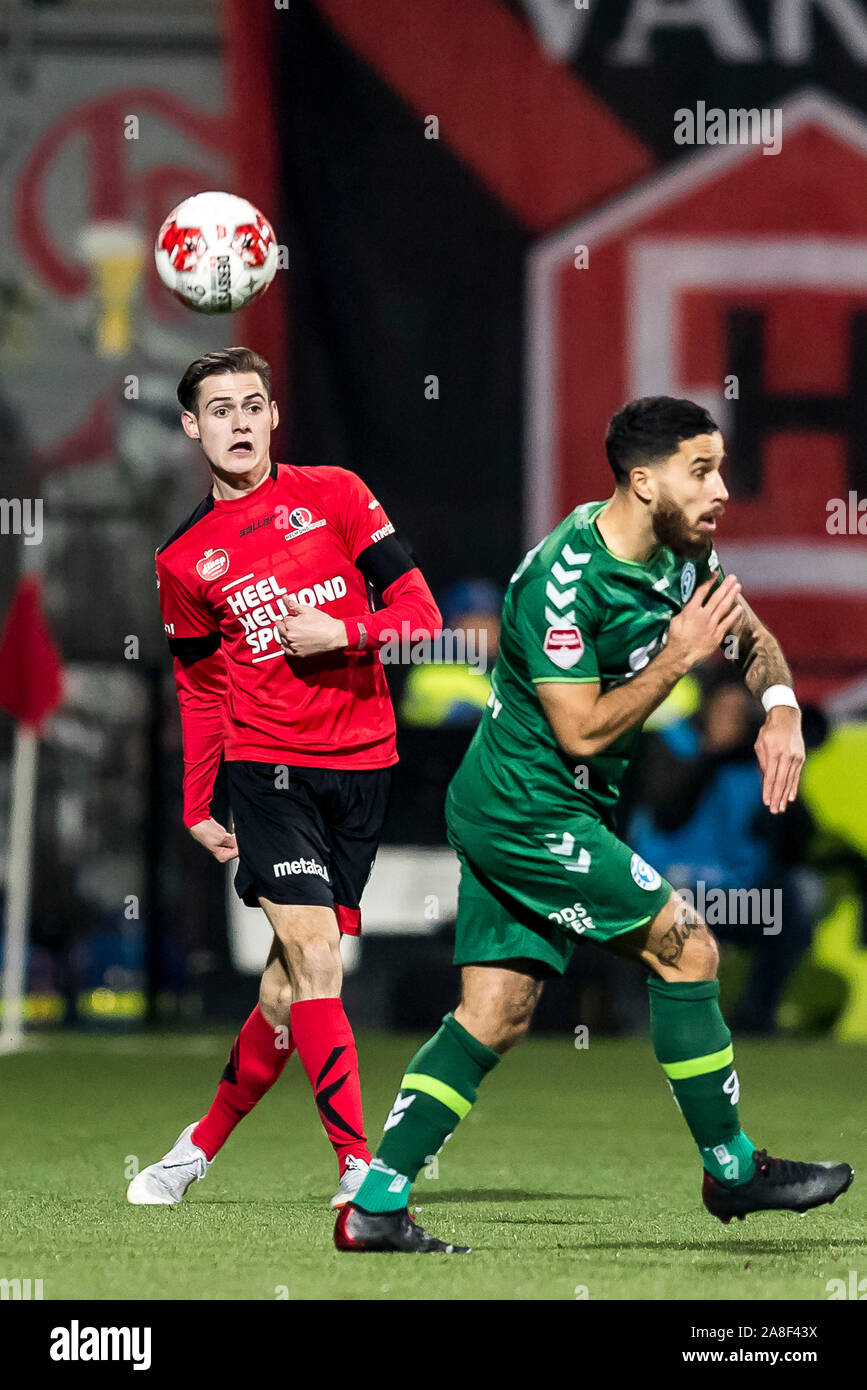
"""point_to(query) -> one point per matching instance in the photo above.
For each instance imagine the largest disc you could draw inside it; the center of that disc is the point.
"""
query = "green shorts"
(531, 893)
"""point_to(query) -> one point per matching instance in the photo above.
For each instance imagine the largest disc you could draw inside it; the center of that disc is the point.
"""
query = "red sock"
(327, 1050)
(258, 1056)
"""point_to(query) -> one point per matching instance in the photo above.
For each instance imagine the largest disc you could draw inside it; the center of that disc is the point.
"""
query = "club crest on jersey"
(687, 580)
(301, 521)
(564, 646)
(213, 565)
(645, 876)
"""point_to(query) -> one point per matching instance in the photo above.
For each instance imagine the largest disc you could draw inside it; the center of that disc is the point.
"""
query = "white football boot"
(353, 1176)
(163, 1184)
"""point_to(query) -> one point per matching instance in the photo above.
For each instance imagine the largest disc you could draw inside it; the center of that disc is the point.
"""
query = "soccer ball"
(215, 252)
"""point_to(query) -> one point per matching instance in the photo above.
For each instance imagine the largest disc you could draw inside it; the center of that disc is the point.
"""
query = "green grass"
(574, 1170)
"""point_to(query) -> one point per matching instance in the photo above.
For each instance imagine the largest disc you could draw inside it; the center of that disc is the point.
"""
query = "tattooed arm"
(779, 746)
(758, 653)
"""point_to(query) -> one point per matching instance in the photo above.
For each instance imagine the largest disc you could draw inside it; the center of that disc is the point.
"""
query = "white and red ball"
(216, 253)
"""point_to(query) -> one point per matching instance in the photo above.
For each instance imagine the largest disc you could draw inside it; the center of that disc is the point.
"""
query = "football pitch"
(574, 1177)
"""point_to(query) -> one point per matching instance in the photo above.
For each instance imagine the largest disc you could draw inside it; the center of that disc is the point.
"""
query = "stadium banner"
(710, 213)
(716, 280)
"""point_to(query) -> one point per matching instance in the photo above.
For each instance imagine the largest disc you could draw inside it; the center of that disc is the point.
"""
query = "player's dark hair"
(233, 359)
(650, 429)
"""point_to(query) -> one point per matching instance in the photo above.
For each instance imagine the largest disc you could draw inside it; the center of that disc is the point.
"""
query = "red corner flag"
(31, 674)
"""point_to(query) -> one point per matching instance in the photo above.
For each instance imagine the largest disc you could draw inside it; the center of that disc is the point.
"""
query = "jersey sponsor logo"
(300, 517)
(301, 866)
(372, 504)
(564, 850)
(687, 580)
(386, 530)
(213, 565)
(253, 596)
(645, 876)
(575, 917)
(564, 646)
(325, 592)
(302, 530)
(255, 525)
(260, 606)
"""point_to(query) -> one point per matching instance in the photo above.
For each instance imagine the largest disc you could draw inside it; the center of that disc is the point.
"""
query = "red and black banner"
(497, 234)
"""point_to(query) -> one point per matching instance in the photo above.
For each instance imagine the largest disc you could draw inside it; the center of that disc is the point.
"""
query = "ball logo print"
(182, 245)
(252, 242)
(645, 876)
(216, 252)
(687, 581)
(564, 646)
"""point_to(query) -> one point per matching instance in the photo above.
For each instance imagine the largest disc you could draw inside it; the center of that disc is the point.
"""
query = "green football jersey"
(574, 611)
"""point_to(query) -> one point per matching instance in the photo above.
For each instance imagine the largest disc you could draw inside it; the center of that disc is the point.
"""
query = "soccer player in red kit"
(264, 592)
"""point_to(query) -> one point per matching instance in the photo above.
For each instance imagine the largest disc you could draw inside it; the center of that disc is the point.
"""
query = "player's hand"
(780, 751)
(216, 838)
(308, 631)
(697, 630)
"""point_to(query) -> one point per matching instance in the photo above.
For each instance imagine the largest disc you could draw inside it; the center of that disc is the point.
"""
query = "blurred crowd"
(109, 826)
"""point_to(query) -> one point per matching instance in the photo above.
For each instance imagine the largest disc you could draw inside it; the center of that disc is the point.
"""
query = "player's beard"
(670, 528)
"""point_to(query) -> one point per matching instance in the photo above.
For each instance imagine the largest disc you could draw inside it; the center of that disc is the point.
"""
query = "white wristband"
(779, 695)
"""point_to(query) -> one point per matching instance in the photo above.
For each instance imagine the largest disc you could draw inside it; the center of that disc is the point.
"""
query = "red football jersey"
(313, 536)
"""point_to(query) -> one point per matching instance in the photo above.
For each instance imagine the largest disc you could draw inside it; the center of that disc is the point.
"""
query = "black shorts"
(307, 835)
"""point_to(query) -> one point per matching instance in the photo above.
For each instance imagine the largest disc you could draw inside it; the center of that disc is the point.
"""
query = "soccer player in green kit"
(601, 620)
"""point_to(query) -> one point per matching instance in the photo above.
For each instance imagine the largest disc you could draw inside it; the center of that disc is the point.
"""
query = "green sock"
(694, 1046)
(731, 1162)
(438, 1090)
